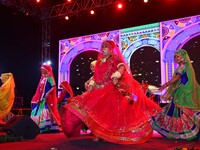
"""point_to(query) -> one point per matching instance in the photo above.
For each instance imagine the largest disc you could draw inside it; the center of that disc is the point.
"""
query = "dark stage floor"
(58, 141)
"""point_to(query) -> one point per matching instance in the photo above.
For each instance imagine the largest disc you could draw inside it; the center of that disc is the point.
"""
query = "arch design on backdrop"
(166, 37)
(151, 42)
(175, 34)
(145, 64)
(70, 48)
(130, 39)
(137, 37)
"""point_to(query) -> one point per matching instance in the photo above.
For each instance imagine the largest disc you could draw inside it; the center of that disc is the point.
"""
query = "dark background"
(21, 37)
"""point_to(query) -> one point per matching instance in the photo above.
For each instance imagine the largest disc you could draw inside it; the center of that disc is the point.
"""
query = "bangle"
(117, 75)
(91, 82)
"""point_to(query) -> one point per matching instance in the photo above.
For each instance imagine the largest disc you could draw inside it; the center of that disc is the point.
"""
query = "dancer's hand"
(164, 86)
(161, 88)
(90, 87)
(115, 81)
(47, 95)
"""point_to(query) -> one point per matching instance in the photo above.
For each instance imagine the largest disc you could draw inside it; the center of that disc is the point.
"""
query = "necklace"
(105, 59)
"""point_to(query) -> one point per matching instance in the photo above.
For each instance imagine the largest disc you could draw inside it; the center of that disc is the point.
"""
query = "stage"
(58, 141)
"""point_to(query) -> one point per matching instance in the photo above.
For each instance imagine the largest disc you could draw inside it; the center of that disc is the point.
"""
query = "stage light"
(92, 12)
(119, 5)
(47, 62)
(69, 0)
(67, 17)
(37, 1)
(145, 1)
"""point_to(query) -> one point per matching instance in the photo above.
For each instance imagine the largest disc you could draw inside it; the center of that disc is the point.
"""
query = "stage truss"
(46, 12)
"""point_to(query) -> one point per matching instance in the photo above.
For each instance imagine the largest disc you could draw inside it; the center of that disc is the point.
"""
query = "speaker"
(22, 126)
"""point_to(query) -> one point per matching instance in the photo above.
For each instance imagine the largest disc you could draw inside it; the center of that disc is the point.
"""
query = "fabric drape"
(7, 94)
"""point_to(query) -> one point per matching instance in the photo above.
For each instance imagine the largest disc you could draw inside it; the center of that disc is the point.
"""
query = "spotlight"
(119, 5)
(37, 1)
(92, 12)
(48, 62)
(66, 17)
(145, 1)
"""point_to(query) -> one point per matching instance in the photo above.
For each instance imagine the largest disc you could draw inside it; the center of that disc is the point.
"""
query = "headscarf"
(67, 87)
(38, 95)
(186, 95)
(51, 100)
(127, 81)
(48, 68)
(115, 52)
(7, 94)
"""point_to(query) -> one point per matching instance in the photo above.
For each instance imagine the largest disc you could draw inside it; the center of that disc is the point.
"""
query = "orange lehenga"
(116, 113)
(7, 96)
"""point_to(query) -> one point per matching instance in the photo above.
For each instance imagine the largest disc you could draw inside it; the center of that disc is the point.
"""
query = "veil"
(7, 94)
(187, 94)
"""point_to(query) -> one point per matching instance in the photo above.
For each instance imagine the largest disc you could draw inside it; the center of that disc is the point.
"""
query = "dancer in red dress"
(65, 93)
(44, 102)
(116, 109)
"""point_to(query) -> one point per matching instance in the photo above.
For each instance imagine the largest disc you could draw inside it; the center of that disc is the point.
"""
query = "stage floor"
(58, 141)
